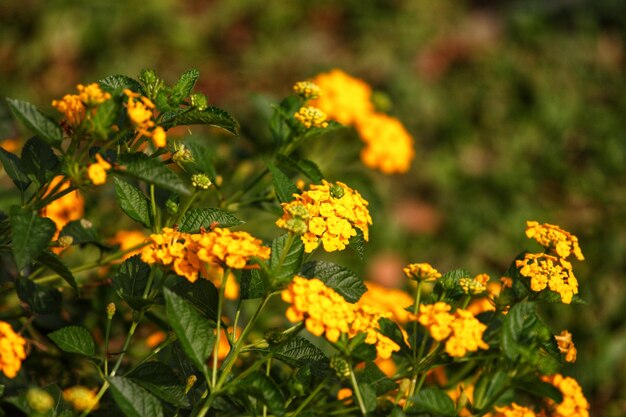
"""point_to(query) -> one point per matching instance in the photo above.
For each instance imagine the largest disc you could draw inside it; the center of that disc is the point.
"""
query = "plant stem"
(182, 210)
(309, 398)
(357, 391)
(416, 355)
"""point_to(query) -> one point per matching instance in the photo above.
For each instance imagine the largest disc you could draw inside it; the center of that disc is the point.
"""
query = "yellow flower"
(514, 410)
(330, 214)
(159, 137)
(421, 272)
(12, 350)
(390, 300)
(554, 238)
(97, 172)
(388, 146)
(232, 249)
(127, 239)
(574, 403)
(91, 95)
(307, 89)
(140, 111)
(81, 398)
(311, 117)
(566, 346)
(65, 209)
(344, 393)
(74, 106)
(549, 271)
(437, 319)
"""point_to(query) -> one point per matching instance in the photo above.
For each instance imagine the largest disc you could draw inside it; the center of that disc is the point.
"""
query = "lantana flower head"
(554, 238)
(549, 271)
(66, 208)
(307, 90)
(388, 145)
(12, 350)
(97, 172)
(514, 410)
(140, 111)
(75, 106)
(566, 346)
(310, 116)
(574, 403)
(421, 272)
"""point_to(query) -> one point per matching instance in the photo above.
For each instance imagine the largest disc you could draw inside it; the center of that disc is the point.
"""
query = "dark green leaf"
(14, 169)
(140, 166)
(202, 294)
(541, 389)
(194, 332)
(202, 158)
(134, 400)
(264, 389)
(132, 201)
(31, 235)
(130, 281)
(252, 284)
(184, 86)
(369, 397)
(520, 317)
(55, 263)
(337, 277)
(397, 412)
(116, 83)
(552, 297)
(105, 116)
(357, 243)
(376, 379)
(74, 339)
(488, 386)
(81, 234)
(280, 127)
(198, 218)
(39, 161)
(41, 299)
(305, 166)
(38, 123)
(285, 261)
(162, 382)
(298, 352)
(433, 400)
(211, 116)
(285, 188)
(391, 329)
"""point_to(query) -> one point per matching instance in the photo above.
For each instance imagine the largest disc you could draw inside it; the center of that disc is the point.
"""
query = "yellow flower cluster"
(325, 312)
(81, 398)
(462, 331)
(74, 106)
(12, 351)
(346, 99)
(65, 209)
(554, 238)
(514, 410)
(140, 111)
(327, 213)
(187, 252)
(421, 272)
(97, 172)
(307, 90)
(574, 403)
(310, 116)
(549, 271)
(390, 300)
(566, 346)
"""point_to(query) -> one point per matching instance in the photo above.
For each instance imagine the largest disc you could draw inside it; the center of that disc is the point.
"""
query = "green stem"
(310, 398)
(182, 210)
(416, 355)
(129, 336)
(103, 389)
(357, 391)
(106, 345)
(268, 367)
(233, 198)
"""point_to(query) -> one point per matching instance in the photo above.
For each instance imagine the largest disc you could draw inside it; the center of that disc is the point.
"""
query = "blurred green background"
(517, 108)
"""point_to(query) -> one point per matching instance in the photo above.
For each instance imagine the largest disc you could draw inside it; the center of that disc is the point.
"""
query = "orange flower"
(12, 351)
(65, 209)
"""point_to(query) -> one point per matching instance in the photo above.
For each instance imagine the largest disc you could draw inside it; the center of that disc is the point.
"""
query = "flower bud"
(86, 224)
(172, 207)
(296, 225)
(471, 286)
(191, 380)
(199, 101)
(65, 241)
(39, 400)
(182, 155)
(110, 310)
(307, 90)
(337, 191)
(340, 366)
(200, 181)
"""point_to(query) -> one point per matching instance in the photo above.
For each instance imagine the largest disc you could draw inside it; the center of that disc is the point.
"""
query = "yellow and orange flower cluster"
(97, 172)
(389, 147)
(66, 208)
(310, 116)
(549, 271)
(12, 350)
(391, 300)
(327, 213)
(514, 410)
(554, 239)
(325, 312)
(307, 90)
(140, 111)
(81, 398)
(462, 331)
(187, 253)
(74, 106)
(421, 272)
(574, 403)
(566, 346)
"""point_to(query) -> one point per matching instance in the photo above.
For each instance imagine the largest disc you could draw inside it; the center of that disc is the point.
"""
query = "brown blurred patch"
(417, 217)
(386, 269)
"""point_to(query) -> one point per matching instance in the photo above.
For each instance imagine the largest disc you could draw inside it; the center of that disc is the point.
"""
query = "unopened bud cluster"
(200, 181)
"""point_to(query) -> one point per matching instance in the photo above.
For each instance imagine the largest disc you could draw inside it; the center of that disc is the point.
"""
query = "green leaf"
(202, 158)
(285, 262)
(552, 297)
(55, 263)
(298, 352)
(397, 412)
(357, 243)
(391, 329)
(520, 318)
(376, 379)
(130, 281)
(305, 166)
(264, 389)
(184, 86)
(162, 382)
(38, 123)
(202, 294)
(41, 299)
(369, 397)
(540, 389)
(14, 169)
(279, 126)
(194, 332)
(488, 386)
(134, 400)
(198, 218)
(151, 170)
(433, 400)
(116, 83)
(132, 201)
(105, 116)
(39, 161)
(252, 284)
(81, 234)
(210, 116)
(337, 277)
(448, 284)
(285, 188)
(74, 339)
(31, 235)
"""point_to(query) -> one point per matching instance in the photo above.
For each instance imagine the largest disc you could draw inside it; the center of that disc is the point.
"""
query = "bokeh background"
(517, 109)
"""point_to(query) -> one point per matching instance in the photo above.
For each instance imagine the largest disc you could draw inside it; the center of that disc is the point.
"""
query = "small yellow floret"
(307, 89)
(81, 398)
(311, 117)
(421, 272)
(12, 350)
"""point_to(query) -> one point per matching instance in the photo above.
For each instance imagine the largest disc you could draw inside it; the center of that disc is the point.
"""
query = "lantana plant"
(195, 313)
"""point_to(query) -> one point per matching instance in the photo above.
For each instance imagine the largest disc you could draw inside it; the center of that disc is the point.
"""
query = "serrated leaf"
(37, 122)
(31, 235)
(198, 218)
(134, 400)
(357, 243)
(433, 400)
(14, 169)
(519, 318)
(264, 389)
(81, 234)
(116, 83)
(305, 166)
(285, 261)
(105, 116)
(140, 166)
(41, 299)
(55, 263)
(202, 159)
(39, 161)
(252, 284)
(194, 332)
(298, 352)
(285, 188)
(337, 277)
(212, 116)
(162, 382)
(130, 281)
(373, 376)
(184, 86)
(369, 397)
(74, 339)
(202, 294)
(132, 201)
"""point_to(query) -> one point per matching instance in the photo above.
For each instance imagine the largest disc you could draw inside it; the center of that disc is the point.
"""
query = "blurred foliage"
(517, 109)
